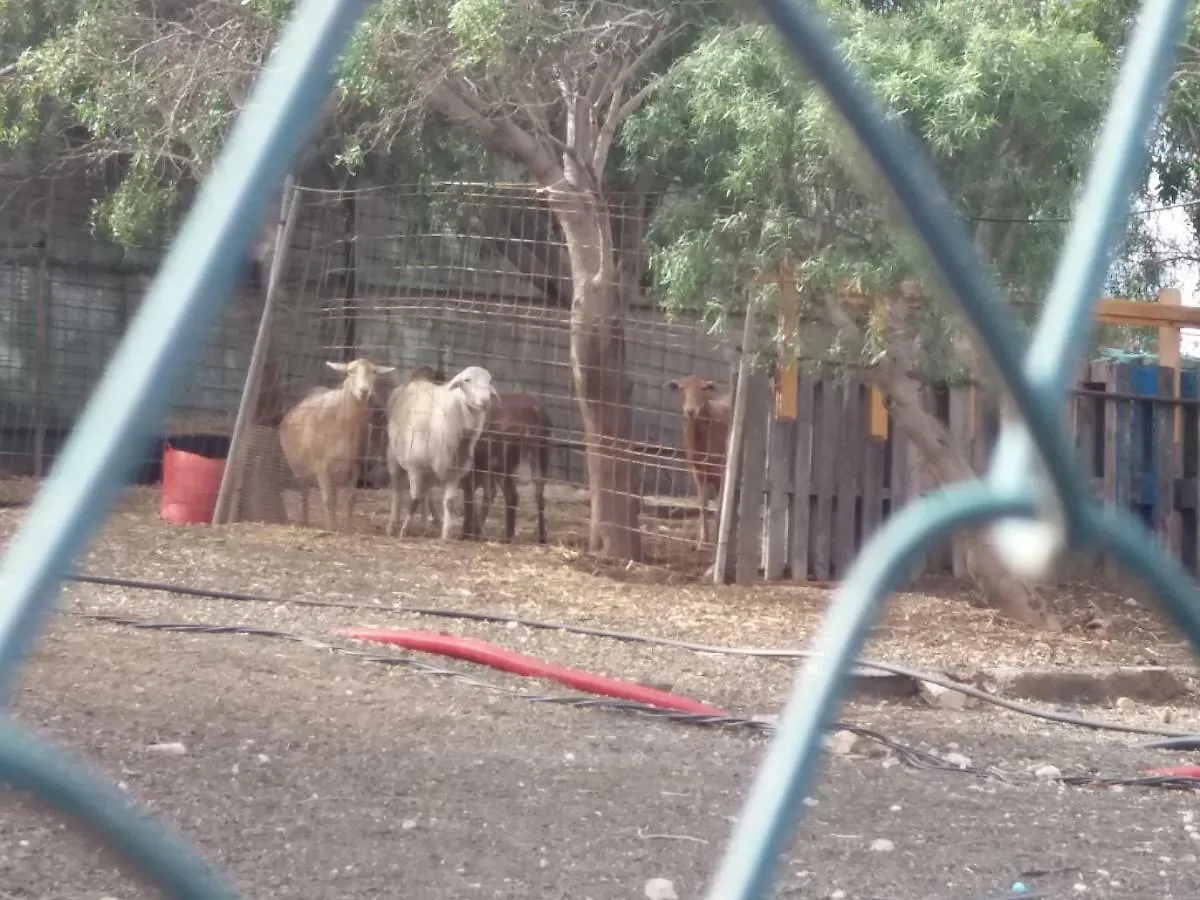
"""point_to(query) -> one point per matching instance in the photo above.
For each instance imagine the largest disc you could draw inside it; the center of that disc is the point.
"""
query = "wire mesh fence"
(421, 281)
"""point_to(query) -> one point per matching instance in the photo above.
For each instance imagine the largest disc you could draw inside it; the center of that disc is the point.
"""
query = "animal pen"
(455, 276)
(477, 275)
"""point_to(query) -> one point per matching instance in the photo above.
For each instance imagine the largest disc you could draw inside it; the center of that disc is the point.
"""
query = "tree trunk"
(944, 458)
(602, 386)
(946, 461)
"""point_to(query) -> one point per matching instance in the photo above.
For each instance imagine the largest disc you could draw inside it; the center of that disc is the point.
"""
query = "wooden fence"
(818, 485)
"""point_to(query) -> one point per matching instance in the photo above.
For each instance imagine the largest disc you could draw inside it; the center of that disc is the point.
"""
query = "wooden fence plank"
(749, 544)
(959, 425)
(1086, 422)
(802, 463)
(849, 477)
(872, 485)
(983, 428)
(826, 437)
(1167, 524)
(780, 453)
(916, 489)
(938, 558)
(1117, 437)
(898, 478)
(1193, 473)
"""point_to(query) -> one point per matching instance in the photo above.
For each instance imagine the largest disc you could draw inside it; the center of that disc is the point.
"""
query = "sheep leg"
(416, 496)
(435, 518)
(450, 493)
(508, 485)
(702, 505)
(471, 525)
(489, 494)
(351, 495)
(539, 495)
(328, 498)
(304, 491)
(394, 478)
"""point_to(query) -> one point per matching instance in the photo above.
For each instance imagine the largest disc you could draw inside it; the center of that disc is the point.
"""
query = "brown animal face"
(696, 393)
(360, 376)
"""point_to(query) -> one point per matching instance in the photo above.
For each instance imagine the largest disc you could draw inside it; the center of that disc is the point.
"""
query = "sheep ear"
(710, 385)
(384, 370)
(336, 366)
(673, 384)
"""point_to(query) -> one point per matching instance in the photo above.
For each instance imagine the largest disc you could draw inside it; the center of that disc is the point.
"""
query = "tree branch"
(500, 133)
(616, 115)
(619, 108)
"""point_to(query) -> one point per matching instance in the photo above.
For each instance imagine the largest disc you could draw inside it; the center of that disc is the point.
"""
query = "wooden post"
(847, 474)
(733, 450)
(231, 478)
(959, 425)
(780, 461)
(1168, 353)
(802, 481)
(787, 373)
(878, 422)
(1118, 458)
(1165, 519)
(749, 538)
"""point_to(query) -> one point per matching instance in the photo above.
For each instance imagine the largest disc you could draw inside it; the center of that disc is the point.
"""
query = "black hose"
(769, 653)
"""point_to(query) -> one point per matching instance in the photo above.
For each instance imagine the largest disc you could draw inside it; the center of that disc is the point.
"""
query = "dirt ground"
(311, 774)
(934, 625)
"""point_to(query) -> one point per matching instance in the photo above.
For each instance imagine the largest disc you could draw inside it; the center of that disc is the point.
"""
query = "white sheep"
(323, 435)
(432, 431)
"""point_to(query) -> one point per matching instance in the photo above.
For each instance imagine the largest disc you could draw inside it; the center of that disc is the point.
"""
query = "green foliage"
(157, 86)
(155, 89)
(1005, 97)
(138, 212)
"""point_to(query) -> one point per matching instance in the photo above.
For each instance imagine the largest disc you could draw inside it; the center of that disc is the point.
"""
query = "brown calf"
(706, 415)
(517, 430)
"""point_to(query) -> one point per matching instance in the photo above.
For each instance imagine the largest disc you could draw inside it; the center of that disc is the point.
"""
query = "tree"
(547, 85)
(1004, 97)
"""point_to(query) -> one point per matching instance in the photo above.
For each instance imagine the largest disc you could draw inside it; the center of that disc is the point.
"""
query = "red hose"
(488, 654)
(1184, 771)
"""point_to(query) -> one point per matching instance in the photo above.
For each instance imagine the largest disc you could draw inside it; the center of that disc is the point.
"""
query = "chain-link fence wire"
(1033, 475)
(201, 266)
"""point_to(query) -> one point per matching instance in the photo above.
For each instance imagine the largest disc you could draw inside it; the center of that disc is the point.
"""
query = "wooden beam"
(879, 416)
(787, 381)
(1109, 310)
(1168, 312)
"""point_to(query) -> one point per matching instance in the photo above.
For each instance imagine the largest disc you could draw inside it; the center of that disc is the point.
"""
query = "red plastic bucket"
(190, 484)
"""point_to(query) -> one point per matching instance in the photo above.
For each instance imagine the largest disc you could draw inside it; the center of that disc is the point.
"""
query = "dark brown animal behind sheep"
(706, 415)
(517, 428)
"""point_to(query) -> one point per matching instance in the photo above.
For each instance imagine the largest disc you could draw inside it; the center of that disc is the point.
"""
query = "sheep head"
(360, 377)
(696, 393)
(475, 384)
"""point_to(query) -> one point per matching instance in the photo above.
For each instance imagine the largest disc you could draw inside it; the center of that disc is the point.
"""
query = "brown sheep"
(706, 415)
(322, 437)
(517, 431)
